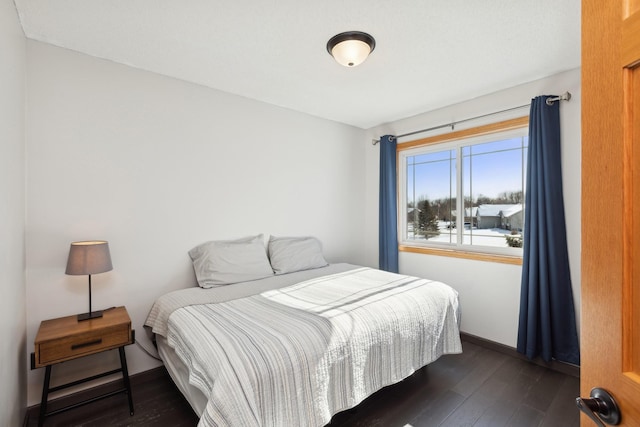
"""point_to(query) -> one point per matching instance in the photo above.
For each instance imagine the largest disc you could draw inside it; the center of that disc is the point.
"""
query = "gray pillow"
(289, 254)
(223, 262)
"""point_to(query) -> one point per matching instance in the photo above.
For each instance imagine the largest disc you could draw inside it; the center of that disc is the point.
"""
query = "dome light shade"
(351, 48)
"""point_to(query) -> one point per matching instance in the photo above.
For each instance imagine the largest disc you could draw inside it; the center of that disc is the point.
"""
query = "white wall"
(156, 166)
(490, 292)
(13, 367)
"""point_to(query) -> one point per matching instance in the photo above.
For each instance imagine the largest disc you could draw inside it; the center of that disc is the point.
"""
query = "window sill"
(478, 256)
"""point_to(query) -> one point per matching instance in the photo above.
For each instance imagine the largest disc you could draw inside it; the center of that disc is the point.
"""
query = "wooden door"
(610, 331)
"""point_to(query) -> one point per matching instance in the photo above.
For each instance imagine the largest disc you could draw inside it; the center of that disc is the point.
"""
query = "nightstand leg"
(125, 377)
(45, 395)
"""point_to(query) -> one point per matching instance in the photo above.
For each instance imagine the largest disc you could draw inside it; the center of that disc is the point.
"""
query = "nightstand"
(65, 338)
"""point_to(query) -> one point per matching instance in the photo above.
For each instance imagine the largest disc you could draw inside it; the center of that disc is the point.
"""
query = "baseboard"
(70, 399)
(564, 368)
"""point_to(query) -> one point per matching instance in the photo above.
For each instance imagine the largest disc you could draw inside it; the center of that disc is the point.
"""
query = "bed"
(293, 348)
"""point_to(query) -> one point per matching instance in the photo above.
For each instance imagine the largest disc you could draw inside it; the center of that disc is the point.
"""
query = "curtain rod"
(564, 97)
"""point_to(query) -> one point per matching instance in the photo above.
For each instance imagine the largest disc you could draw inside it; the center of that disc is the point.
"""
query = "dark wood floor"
(479, 387)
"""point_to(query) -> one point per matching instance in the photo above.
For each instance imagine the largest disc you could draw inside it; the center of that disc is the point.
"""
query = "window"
(465, 191)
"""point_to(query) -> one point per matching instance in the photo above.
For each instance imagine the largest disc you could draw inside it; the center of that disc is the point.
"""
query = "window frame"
(455, 250)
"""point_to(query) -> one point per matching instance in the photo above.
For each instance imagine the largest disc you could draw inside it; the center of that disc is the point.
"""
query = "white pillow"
(289, 254)
(223, 262)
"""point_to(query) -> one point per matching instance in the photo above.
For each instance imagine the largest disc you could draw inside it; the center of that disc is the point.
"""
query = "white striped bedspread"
(297, 355)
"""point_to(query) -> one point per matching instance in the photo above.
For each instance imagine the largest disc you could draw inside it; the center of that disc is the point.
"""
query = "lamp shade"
(351, 48)
(89, 257)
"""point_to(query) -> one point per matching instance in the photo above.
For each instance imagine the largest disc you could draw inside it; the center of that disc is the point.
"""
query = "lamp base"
(89, 316)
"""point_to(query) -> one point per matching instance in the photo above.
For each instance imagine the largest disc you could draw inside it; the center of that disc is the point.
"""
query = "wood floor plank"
(436, 412)
(498, 414)
(454, 368)
(562, 411)
(517, 387)
(544, 391)
(526, 416)
(471, 410)
(487, 363)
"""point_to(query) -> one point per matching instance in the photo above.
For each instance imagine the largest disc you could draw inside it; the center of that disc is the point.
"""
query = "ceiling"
(429, 53)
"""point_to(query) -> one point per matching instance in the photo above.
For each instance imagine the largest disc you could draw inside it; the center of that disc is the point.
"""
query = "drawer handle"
(86, 344)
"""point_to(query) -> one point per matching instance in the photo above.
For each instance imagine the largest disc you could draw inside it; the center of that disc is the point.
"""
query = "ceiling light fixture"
(351, 48)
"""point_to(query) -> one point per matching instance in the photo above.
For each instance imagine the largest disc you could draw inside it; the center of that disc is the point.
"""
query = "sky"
(488, 169)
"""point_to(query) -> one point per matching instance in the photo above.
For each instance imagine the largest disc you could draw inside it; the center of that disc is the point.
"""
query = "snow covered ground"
(475, 236)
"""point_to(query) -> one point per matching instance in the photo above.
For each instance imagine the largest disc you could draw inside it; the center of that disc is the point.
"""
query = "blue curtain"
(547, 315)
(388, 219)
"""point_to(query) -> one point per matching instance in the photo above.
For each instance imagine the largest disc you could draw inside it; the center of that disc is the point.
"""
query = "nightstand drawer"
(81, 344)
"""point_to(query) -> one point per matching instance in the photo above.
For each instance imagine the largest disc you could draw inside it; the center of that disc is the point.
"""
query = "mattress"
(293, 350)
(179, 373)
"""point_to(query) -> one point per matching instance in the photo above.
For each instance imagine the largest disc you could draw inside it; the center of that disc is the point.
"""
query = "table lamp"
(91, 257)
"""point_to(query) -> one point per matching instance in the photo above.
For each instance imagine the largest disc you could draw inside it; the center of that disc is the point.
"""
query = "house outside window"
(464, 191)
